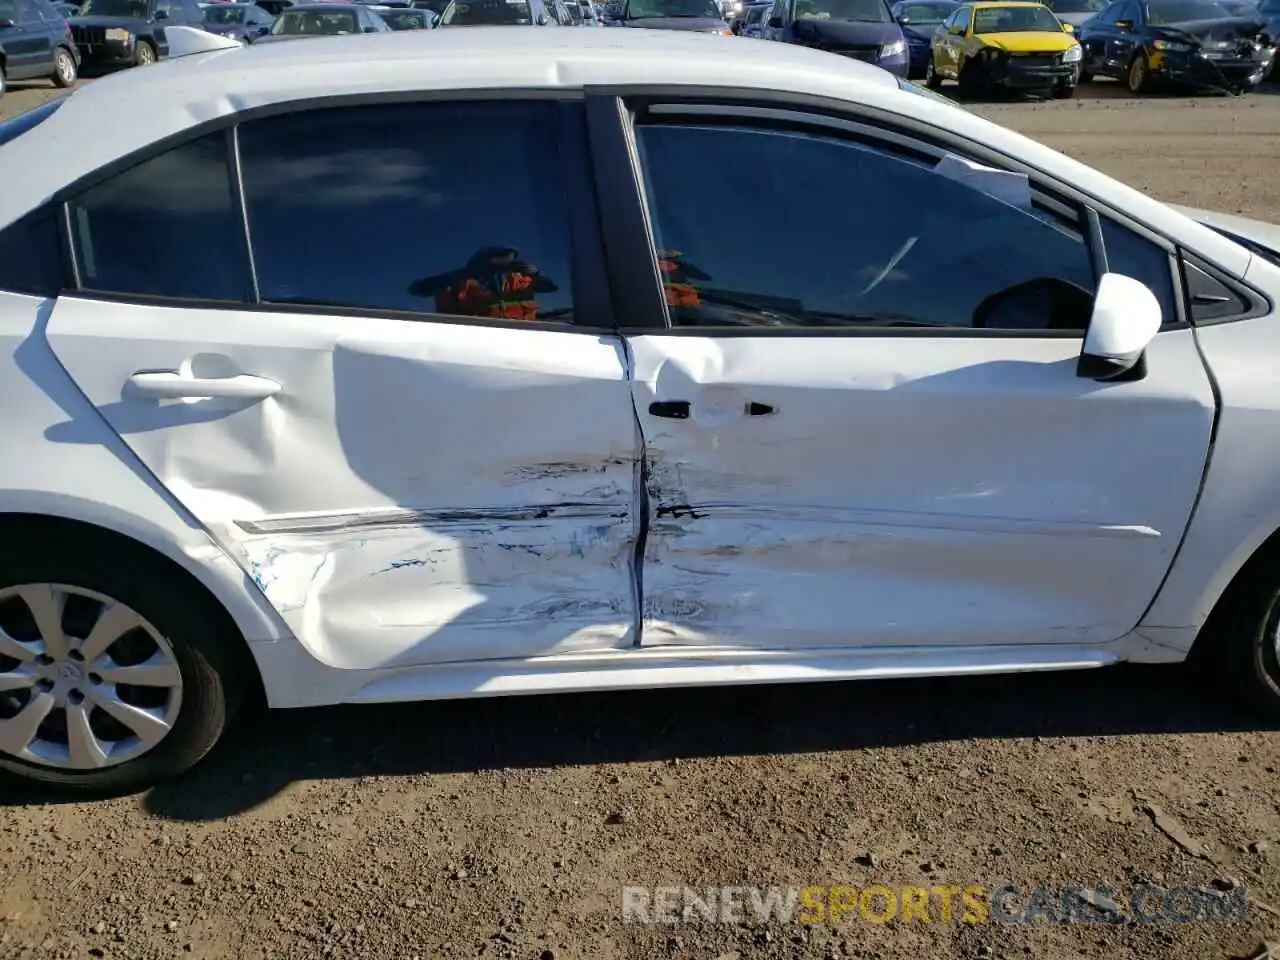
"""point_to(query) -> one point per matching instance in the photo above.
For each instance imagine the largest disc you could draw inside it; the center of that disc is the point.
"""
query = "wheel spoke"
(146, 725)
(17, 680)
(45, 603)
(158, 671)
(83, 746)
(10, 647)
(114, 622)
(17, 733)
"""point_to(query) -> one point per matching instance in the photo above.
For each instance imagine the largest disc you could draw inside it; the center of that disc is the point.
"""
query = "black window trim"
(1256, 303)
(590, 288)
(729, 98)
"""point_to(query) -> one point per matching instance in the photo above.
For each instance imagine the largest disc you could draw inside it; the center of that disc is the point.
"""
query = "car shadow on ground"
(1105, 88)
(263, 756)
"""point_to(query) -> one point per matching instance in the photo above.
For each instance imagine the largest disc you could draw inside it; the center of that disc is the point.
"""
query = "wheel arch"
(1233, 583)
(229, 592)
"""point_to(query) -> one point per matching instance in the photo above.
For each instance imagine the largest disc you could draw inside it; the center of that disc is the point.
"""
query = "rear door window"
(458, 209)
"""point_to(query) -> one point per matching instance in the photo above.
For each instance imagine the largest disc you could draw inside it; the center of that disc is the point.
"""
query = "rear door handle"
(670, 409)
(172, 385)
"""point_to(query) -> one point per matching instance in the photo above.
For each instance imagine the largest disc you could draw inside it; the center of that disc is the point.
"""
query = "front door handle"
(173, 385)
(670, 409)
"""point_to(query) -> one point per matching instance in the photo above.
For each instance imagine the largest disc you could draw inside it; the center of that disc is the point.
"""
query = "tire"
(65, 71)
(1240, 641)
(931, 78)
(1085, 77)
(144, 54)
(1064, 93)
(973, 81)
(191, 683)
(1138, 76)
(3, 83)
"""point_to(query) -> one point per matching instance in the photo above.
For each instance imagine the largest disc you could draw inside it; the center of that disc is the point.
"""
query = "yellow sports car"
(1015, 45)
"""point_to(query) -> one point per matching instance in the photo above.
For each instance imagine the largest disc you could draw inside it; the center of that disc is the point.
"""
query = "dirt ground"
(509, 828)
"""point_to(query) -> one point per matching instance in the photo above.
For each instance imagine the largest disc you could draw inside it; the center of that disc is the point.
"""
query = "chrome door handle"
(172, 385)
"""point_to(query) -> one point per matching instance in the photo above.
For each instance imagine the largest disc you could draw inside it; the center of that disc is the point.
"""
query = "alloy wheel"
(85, 681)
(1137, 73)
(66, 68)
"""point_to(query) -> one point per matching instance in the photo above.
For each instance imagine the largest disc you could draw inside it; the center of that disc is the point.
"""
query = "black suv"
(35, 44)
(118, 33)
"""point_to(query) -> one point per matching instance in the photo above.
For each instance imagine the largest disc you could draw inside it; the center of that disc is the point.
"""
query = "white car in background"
(591, 413)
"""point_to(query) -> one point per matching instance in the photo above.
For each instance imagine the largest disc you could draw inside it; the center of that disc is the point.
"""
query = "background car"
(1005, 45)
(919, 20)
(862, 29)
(399, 18)
(36, 44)
(699, 16)
(116, 33)
(510, 13)
(1197, 43)
(242, 21)
(324, 19)
(1075, 12)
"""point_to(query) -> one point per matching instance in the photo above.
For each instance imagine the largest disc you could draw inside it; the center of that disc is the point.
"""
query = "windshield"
(136, 9)
(925, 12)
(319, 23)
(488, 13)
(870, 11)
(1076, 6)
(15, 127)
(1178, 11)
(679, 9)
(1015, 20)
(224, 15)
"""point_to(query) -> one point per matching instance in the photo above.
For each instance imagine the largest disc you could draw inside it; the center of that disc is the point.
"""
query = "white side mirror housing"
(1126, 318)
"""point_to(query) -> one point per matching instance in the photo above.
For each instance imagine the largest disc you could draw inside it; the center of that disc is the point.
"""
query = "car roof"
(170, 98)
(1005, 3)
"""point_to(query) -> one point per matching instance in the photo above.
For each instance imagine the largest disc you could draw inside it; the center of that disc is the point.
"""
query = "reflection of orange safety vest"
(679, 292)
(469, 297)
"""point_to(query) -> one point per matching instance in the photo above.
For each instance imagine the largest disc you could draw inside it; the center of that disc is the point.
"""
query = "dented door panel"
(417, 492)
(910, 490)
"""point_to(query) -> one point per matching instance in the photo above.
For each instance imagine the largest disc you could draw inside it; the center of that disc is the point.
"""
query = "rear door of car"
(857, 431)
(410, 473)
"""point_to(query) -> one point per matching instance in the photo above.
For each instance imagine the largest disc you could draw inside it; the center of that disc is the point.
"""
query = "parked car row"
(1050, 47)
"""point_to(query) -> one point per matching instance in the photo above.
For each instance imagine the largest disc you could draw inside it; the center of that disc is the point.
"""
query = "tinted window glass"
(31, 255)
(1136, 256)
(167, 227)
(847, 235)
(453, 208)
(1209, 298)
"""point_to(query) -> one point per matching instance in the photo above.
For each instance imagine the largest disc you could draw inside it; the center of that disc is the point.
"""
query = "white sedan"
(475, 363)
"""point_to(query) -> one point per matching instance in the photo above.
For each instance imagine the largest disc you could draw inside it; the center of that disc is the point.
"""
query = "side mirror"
(957, 31)
(5, 23)
(162, 14)
(542, 20)
(775, 23)
(370, 29)
(1068, 28)
(904, 20)
(1124, 26)
(1126, 318)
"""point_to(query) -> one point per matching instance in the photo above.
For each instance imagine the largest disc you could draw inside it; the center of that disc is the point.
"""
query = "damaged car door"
(866, 425)
(399, 413)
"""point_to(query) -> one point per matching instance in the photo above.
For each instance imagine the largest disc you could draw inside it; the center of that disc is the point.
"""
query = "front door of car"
(1123, 41)
(400, 422)
(876, 434)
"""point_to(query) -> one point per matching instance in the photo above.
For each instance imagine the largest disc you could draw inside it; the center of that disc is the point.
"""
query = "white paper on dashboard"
(1012, 188)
